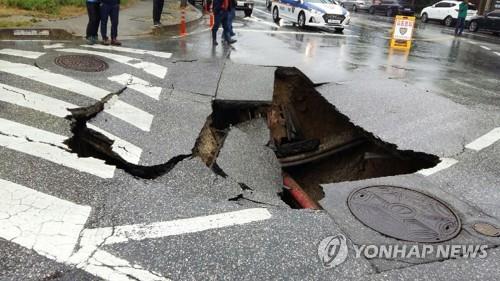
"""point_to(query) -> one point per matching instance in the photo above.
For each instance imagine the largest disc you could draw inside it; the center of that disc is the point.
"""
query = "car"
(446, 12)
(392, 8)
(246, 6)
(356, 5)
(488, 22)
(318, 13)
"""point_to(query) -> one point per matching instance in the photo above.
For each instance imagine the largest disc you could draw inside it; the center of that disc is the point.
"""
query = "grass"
(51, 9)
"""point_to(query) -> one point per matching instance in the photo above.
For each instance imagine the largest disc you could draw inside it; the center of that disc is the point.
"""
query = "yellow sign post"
(402, 32)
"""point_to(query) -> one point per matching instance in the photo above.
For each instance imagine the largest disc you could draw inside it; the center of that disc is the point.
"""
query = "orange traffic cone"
(183, 30)
(211, 20)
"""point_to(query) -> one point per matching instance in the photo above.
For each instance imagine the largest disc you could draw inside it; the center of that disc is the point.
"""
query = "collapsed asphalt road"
(171, 168)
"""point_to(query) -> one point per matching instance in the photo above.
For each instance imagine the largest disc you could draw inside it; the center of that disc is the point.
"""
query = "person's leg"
(96, 20)
(215, 28)
(232, 15)
(226, 26)
(157, 10)
(90, 10)
(462, 26)
(105, 9)
(115, 11)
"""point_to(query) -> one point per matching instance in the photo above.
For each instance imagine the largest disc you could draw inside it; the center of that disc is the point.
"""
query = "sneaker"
(232, 34)
(105, 42)
(157, 24)
(115, 42)
(214, 42)
(90, 41)
(231, 41)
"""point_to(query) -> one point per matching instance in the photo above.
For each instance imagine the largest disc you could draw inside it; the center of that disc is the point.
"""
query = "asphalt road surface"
(69, 216)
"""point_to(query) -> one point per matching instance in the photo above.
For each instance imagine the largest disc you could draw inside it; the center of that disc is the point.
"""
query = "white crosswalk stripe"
(164, 55)
(49, 146)
(37, 221)
(117, 108)
(21, 53)
(148, 67)
(137, 84)
(128, 151)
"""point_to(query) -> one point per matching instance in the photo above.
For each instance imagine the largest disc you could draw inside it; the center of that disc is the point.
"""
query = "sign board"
(402, 32)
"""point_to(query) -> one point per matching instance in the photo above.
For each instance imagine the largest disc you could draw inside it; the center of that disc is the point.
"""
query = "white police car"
(322, 13)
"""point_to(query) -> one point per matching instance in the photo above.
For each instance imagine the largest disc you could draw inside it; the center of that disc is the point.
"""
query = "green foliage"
(49, 6)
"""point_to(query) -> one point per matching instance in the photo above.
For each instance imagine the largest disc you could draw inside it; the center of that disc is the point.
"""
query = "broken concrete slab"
(256, 130)
(250, 163)
(201, 77)
(249, 251)
(409, 117)
(335, 203)
(255, 84)
(178, 118)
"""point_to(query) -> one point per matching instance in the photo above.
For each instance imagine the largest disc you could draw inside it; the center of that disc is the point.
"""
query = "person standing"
(462, 14)
(110, 9)
(221, 10)
(157, 10)
(93, 11)
(230, 16)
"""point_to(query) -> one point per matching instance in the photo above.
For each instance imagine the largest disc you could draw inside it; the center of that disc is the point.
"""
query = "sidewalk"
(134, 21)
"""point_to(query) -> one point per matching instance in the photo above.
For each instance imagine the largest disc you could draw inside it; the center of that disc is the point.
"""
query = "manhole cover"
(85, 63)
(404, 214)
(487, 229)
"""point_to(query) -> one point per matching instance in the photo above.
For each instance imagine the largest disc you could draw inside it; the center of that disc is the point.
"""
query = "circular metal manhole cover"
(404, 214)
(85, 63)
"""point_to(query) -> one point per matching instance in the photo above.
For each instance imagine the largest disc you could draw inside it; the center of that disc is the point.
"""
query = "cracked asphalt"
(68, 212)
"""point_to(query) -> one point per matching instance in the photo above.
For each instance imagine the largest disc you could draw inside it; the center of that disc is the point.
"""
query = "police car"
(321, 13)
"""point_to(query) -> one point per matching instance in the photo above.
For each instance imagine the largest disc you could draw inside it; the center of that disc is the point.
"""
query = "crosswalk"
(52, 148)
(46, 224)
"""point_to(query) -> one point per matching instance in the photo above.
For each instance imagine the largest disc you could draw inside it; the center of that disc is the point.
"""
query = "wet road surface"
(82, 218)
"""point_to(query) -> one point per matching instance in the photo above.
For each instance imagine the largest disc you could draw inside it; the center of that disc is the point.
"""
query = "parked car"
(392, 8)
(320, 13)
(246, 6)
(356, 5)
(489, 22)
(446, 12)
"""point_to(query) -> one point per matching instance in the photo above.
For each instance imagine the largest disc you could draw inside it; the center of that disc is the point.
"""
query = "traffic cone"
(211, 20)
(183, 30)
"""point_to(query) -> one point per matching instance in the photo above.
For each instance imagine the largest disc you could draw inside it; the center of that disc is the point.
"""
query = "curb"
(35, 34)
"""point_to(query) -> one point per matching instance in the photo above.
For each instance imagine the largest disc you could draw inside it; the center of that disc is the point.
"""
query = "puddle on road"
(314, 143)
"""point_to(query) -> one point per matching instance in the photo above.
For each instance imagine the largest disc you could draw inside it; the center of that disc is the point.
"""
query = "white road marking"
(129, 152)
(54, 46)
(40, 222)
(137, 232)
(444, 164)
(257, 20)
(148, 67)
(129, 113)
(295, 32)
(137, 84)
(119, 109)
(486, 48)
(51, 227)
(164, 55)
(21, 53)
(34, 101)
(486, 140)
(49, 146)
(497, 53)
